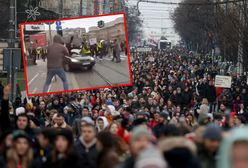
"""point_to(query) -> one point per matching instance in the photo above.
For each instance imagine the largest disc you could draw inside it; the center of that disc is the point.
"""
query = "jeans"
(51, 72)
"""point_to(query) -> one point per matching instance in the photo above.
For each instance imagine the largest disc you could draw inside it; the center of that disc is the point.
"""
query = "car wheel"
(90, 67)
(67, 67)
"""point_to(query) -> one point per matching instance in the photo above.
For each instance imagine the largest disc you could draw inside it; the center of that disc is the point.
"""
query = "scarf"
(87, 146)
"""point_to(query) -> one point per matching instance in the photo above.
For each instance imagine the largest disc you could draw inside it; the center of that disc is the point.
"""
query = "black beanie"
(67, 134)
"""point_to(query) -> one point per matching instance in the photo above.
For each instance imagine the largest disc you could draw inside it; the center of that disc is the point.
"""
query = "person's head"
(156, 115)
(212, 137)
(141, 138)
(56, 101)
(46, 137)
(60, 120)
(105, 141)
(116, 102)
(88, 133)
(34, 123)
(100, 123)
(205, 101)
(239, 154)
(178, 90)
(169, 130)
(22, 121)
(162, 117)
(178, 109)
(113, 128)
(21, 143)
(58, 39)
(42, 105)
(85, 112)
(64, 141)
(222, 107)
(86, 120)
(239, 120)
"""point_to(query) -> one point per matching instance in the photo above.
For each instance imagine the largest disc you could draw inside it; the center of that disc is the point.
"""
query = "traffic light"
(100, 24)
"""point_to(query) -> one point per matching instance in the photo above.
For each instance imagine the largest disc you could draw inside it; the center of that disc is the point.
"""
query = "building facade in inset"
(83, 7)
(112, 30)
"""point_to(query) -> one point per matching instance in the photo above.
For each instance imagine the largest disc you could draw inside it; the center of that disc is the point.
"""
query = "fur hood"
(169, 144)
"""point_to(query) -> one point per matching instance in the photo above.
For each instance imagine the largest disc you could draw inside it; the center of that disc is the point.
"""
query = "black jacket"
(158, 129)
(73, 160)
(211, 94)
(88, 157)
(4, 116)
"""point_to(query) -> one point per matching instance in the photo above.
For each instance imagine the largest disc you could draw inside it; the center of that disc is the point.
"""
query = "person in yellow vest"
(100, 48)
(85, 50)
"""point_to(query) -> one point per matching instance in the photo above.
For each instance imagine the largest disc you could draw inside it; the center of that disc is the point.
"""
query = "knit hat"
(20, 110)
(88, 120)
(141, 130)
(213, 132)
(67, 134)
(20, 134)
(150, 158)
(164, 115)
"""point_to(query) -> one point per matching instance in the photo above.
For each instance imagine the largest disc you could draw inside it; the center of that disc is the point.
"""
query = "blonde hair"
(13, 159)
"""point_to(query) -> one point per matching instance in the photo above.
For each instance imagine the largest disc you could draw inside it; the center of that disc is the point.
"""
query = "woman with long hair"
(106, 146)
(63, 155)
(20, 155)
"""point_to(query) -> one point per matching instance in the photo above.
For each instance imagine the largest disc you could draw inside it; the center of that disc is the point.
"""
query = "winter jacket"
(211, 94)
(179, 152)
(150, 157)
(157, 129)
(56, 53)
(4, 116)
(237, 134)
(73, 160)
(71, 117)
(206, 160)
(87, 153)
(107, 159)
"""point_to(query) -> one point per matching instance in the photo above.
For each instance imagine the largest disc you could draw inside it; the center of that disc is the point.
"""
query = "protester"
(172, 101)
(106, 144)
(55, 58)
(86, 146)
(63, 155)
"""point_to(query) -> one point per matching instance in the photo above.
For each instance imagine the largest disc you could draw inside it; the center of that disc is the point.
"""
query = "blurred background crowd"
(172, 117)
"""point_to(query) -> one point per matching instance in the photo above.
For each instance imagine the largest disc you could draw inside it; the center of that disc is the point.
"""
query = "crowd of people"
(173, 116)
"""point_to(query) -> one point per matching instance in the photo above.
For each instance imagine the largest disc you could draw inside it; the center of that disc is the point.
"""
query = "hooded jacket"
(105, 123)
(56, 53)
(179, 152)
(237, 134)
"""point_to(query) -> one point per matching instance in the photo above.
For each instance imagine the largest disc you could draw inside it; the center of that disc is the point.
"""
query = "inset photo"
(75, 54)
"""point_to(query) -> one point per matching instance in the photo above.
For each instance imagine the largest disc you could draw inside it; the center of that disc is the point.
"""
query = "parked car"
(78, 61)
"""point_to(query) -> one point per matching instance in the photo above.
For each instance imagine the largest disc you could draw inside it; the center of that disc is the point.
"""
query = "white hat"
(113, 111)
(20, 110)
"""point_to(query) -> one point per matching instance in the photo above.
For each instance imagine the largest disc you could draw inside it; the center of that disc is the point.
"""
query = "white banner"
(34, 27)
(223, 81)
(93, 41)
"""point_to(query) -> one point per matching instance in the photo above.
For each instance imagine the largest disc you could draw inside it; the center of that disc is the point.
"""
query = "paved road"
(104, 73)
